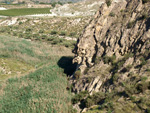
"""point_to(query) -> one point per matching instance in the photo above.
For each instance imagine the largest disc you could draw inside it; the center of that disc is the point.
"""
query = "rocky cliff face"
(113, 54)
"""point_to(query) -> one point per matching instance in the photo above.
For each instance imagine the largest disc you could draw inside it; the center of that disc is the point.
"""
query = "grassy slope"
(43, 90)
(41, 29)
(72, 26)
(24, 11)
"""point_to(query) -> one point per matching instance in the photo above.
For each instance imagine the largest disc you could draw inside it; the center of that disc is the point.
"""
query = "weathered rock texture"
(115, 49)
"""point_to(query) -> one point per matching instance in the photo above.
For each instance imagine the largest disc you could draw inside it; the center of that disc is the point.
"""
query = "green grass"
(33, 53)
(42, 90)
(24, 11)
(11, 67)
(29, 28)
(33, 34)
(10, 4)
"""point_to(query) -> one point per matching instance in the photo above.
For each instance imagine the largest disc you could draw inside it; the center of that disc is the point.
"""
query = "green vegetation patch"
(24, 11)
(43, 89)
(36, 27)
(10, 67)
(108, 2)
(33, 53)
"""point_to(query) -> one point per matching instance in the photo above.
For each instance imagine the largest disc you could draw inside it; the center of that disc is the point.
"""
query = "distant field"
(24, 11)
(41, 91)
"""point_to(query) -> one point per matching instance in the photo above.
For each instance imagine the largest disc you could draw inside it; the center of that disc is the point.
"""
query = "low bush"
(112, 14)
(148, 110)
(89, 102)
(20, 23)
(117, 65)
(63, 33)
(28, 30)
(79, 97)
(89, 79)
(128, 55)
(72, 34)
(35, 35)
(41, 31)
(14, 34)
(141, 87)
(108, 59)
(130, 24)
(144, 78)
(121, 10)
(53, 32)
(50, 38)
(143, 61)
(94, 99)
(148, 70)
(77, 74)
(133, 98)
(108, 2)
(55, 41)
(44, 36)
(130, 89)
(20, 35)
(28, 36)
(115, 77)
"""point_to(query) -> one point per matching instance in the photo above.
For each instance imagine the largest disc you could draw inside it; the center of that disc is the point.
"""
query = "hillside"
(84, 8)
(63, 1)
(38, 1)
(110, 70)
(113, 57)
(31, 77)
(55, 31)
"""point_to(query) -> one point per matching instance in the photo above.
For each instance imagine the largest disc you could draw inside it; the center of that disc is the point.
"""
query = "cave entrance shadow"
(65, 62)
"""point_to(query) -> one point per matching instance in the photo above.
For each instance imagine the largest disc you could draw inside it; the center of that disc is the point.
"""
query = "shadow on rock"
(147, 24)
(66, 63)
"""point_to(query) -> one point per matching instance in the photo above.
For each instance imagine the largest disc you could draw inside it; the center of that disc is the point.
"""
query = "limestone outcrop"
(115, 49)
